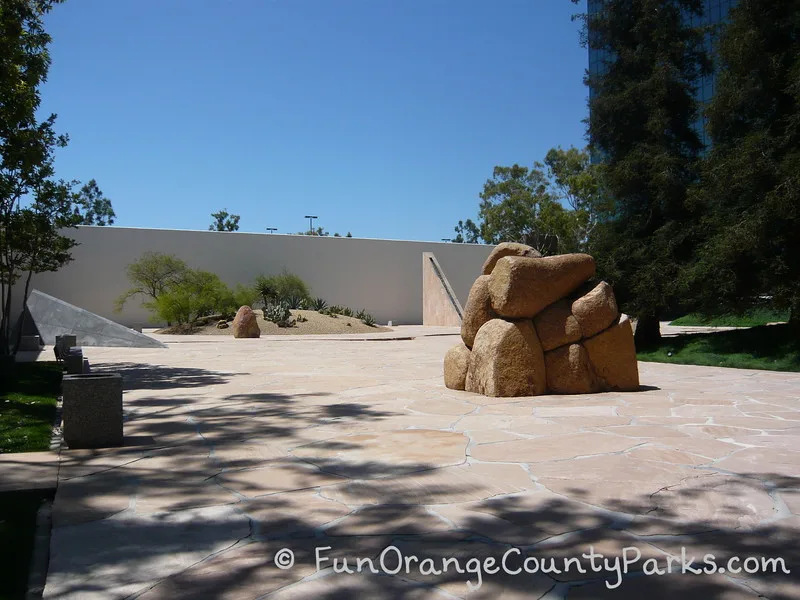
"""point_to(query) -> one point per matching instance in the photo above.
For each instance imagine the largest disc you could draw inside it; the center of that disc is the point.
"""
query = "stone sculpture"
(533, 325)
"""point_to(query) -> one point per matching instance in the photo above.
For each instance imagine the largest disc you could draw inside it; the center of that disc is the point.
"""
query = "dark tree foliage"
(641, 113)
(35, 208)
(224, 221)
(550, 206)
(749, 199)
(92, 207)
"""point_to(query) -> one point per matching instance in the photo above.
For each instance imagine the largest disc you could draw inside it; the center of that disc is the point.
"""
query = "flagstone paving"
(236, 449)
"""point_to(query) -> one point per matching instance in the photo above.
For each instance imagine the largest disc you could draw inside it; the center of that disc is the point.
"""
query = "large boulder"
(557, 326)
(613, 356)
(507, 249)
(477, 311)
(245, 324)
(596, 310)
(506, 360)
(521, 287)
(569, 371)
(456, 363)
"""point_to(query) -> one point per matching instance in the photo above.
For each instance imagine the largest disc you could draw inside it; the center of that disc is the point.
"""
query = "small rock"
(456, 363)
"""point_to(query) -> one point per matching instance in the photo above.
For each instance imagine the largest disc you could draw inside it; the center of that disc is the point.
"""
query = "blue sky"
(382, 117)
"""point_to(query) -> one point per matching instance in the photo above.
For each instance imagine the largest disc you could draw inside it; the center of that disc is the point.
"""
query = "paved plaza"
(237, 449)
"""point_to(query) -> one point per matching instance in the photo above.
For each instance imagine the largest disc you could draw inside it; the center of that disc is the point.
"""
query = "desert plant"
(319, 304)
(347, 312)
(279, 314)
(295, 302)
(266, 289)
(300, 319)
(367, 319)
(281, 287)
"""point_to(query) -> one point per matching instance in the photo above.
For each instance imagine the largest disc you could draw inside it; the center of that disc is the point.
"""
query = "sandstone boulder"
(477, 311)
(613, 356)
(521, 287)
(596, 310)
(507, 249)
(506, 360)
(245, 324)
(456, 363)
(569, 371)
(557, 326)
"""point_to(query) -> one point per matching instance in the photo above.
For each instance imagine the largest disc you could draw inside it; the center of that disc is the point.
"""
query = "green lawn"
(28, 396)
(17, 534)
(752, 318)
(769, 347)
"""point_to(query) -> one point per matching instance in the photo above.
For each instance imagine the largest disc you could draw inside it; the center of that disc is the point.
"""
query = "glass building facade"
(714, 13)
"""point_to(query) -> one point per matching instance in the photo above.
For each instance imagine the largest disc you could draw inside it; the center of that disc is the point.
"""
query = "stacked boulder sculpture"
(534, 325)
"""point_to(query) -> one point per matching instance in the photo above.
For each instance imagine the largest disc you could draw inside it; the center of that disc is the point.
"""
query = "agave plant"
(319, 304)
(295, 302)
(368, 319)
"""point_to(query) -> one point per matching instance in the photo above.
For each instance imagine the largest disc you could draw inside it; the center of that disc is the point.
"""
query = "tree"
(223, 221)
(748, 202)
(467, 232)
(96, 208)
(153, 275)
(549, 206)
(578, 185)
(34, 207)
(320, 231)
(642, 112)
(199, 294)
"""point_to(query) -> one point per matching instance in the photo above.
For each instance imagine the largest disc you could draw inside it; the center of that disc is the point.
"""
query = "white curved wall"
(383, 277)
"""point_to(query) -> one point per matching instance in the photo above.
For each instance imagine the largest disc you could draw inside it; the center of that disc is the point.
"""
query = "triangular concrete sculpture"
(440, 305)
(55, 317)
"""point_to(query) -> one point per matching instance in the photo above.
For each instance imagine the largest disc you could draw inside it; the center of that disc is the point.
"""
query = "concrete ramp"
(54, 317)
(440, 305)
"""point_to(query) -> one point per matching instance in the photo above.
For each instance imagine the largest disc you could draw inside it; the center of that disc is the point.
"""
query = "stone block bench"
(92, 410)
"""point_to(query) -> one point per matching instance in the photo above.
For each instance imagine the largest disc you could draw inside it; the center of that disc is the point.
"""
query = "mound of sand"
(315, 325)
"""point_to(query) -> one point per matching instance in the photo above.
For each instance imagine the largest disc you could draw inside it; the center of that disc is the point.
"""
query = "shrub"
(244, 295)
(199, 294)
(367, 319)
(319, 304)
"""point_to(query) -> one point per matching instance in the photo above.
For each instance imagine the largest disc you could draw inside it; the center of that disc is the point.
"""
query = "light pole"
(271, 229)
(311, 223)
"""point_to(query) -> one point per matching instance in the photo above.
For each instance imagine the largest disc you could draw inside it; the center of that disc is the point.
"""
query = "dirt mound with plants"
(306, 322)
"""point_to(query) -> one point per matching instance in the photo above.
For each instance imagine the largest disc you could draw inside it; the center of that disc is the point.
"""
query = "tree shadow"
(138, 376)
(204, 510)
(238, 541)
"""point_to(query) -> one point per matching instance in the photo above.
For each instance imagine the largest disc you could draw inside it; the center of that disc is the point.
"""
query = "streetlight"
(271, 229)
(310, 223)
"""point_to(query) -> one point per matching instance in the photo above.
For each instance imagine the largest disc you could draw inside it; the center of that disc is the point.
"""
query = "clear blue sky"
(382, 117)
